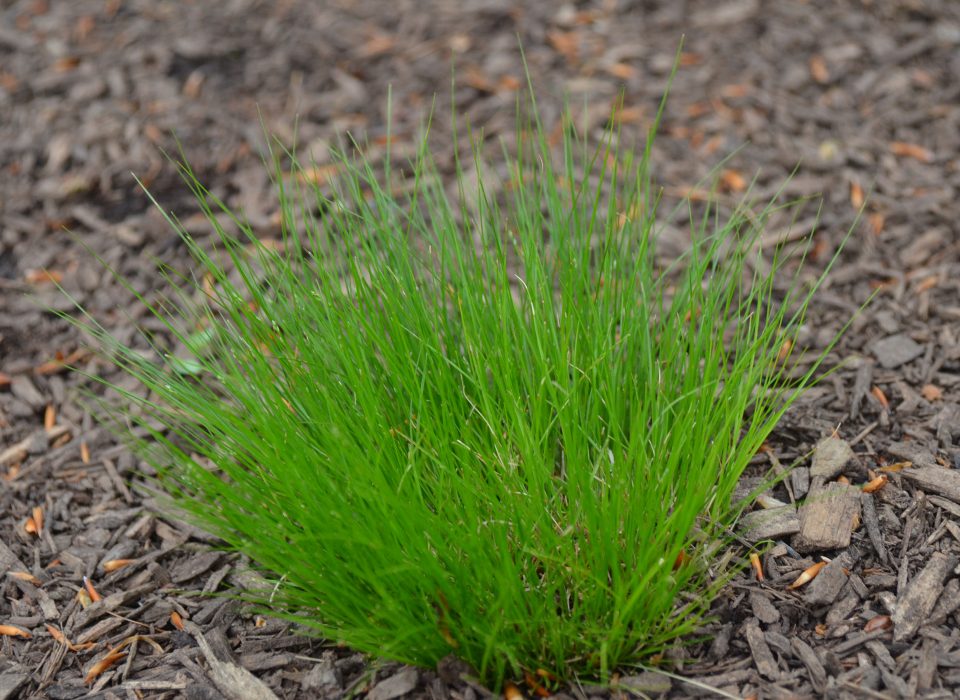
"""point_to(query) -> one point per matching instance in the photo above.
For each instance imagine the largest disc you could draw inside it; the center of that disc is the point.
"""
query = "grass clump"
(494, 426)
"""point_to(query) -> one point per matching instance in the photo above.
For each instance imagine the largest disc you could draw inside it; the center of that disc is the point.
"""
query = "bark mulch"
(102, 597)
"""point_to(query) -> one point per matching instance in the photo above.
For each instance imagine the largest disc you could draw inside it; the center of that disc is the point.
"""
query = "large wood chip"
(912, 452)
(815, 669)
(770, 524)
(229, 678)
(827, 518)
(825, 588)
(10, 683)
(830, 457)
(397, 685)
(762, 656)
(920, 598)
(872, 524)
(763, 609)
(10, 561)
(896, 350)
(938, 480)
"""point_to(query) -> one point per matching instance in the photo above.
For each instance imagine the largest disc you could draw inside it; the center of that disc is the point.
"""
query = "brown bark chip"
(938, 480)
(815, 669)
(769, 524)
(920, 598)
(827, 518)
(831, 455)
(896, 350)
(825, 588)
(762, 656)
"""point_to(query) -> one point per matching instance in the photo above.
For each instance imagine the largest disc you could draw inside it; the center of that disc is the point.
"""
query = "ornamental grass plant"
(496, 426)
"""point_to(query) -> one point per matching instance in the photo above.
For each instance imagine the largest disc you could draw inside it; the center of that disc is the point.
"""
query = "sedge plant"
(497, 426)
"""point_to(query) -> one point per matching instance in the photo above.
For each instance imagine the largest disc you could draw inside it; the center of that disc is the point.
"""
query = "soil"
(858, 100)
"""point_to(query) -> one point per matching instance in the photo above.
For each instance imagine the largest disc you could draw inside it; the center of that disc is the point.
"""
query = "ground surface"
(862, 94)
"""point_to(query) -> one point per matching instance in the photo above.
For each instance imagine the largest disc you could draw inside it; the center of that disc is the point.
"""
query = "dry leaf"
(91, 591)
(880, 622)
(877, 221)
(624, 71)
(931, 392)
(25, 576)
(83, 598)
(114, 564)
(681, 559)
(43, 277)
(512, 692)
(49, 417)
(12, 631)
(818, 69)
(895, 467)
(856, 195)
(535, 685)
(911, 150)
(110, 659)
(565, 43)
(808, 575)
(732, 181)
(877, 393)
(30, 527)
(876, 484)
(84, 453)
(757, 567)
(62, 638)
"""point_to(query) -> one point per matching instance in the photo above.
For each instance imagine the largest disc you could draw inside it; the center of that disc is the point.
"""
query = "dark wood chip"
(825, 588)
(920, 598)
(762, 656)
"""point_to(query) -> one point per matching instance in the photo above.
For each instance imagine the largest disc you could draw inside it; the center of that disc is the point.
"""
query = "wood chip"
(763, 609)
(868, 511)
(762, 656)
(397, 685)
(829, 458)
(771, 524)
(230, 679)
(827, 518)
(938, 480)
(896, 350)
(923, 592)
(825, 588)
(809, 658)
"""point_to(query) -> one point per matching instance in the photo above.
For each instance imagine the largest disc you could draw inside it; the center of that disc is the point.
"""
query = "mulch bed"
(862, 95)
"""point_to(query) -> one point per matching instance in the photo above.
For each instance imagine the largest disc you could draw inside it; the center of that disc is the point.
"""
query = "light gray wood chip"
(809, 658)
(764, 610)
(762, 656)
(826, 587)
(921, 596)
(939, 480)
(770, 524)
(829, 458)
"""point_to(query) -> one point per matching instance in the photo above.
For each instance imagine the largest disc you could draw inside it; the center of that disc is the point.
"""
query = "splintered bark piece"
(938, 480)
(770, 524)
(923, 592)
(815, 669)
(872, 523)
(827, 518)
(831, 455)
(825, 588)
(762, 656)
